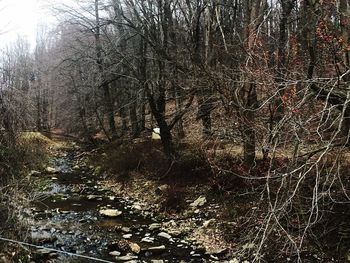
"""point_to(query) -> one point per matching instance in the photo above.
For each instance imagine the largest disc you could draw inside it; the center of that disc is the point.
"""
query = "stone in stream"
(51, 170)
(92, 197)
(110, 212)
(147, 240)
(137, 207)
(43, 251)
(135, 248)
(120, 245)
(164, 235)
(156, 249)
(42, 237)
(154, 226)
(115, 253)
(126, 229)
(127, 236)
(126, 258)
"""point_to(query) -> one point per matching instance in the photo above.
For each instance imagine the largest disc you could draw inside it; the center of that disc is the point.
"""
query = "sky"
(22, 18)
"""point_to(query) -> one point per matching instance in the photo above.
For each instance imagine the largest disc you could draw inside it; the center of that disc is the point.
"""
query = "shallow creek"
(67, 218)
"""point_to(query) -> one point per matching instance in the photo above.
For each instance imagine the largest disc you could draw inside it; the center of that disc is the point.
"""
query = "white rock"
(110, 212)
(159, 248)
(92, 197)
(135, 248)
(51, 170)
(208, 223)
(137, 207)
(126, 229)
(147, 240)
(200, 201)
(154, 226)
(115, 253)
(127, 236)
(126, 258)
(164, 235)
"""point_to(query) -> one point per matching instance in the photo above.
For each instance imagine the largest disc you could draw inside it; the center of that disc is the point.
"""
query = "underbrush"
(147, 157)
(29, 152)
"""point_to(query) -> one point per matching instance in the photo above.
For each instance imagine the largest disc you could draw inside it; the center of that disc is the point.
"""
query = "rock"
(235, 260)
(120, 245)
(43, 237)
(137, 207)
(162, 189)
(200, 201)
(208, 223)
(214, 258)
(115, 253)
(127, 236)
(164, 235)
(154, 226)
(175, 233)
(51, 170)
(156, 249)
(92, 197)
(147, 240)
(126, 229)
(135, 248)
(110, 212)
(126, 258)
(43, 251)
(157, 261)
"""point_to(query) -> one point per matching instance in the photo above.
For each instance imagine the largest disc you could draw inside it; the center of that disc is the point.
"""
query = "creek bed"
(67, 218)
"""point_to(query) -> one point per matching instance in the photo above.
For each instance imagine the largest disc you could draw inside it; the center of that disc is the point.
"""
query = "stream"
(66, 216)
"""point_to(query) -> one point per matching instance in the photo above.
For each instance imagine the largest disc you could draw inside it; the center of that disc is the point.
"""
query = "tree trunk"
(134, 121)
(123, 116)
(38, 114)
(248, 127)
(109, 104)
